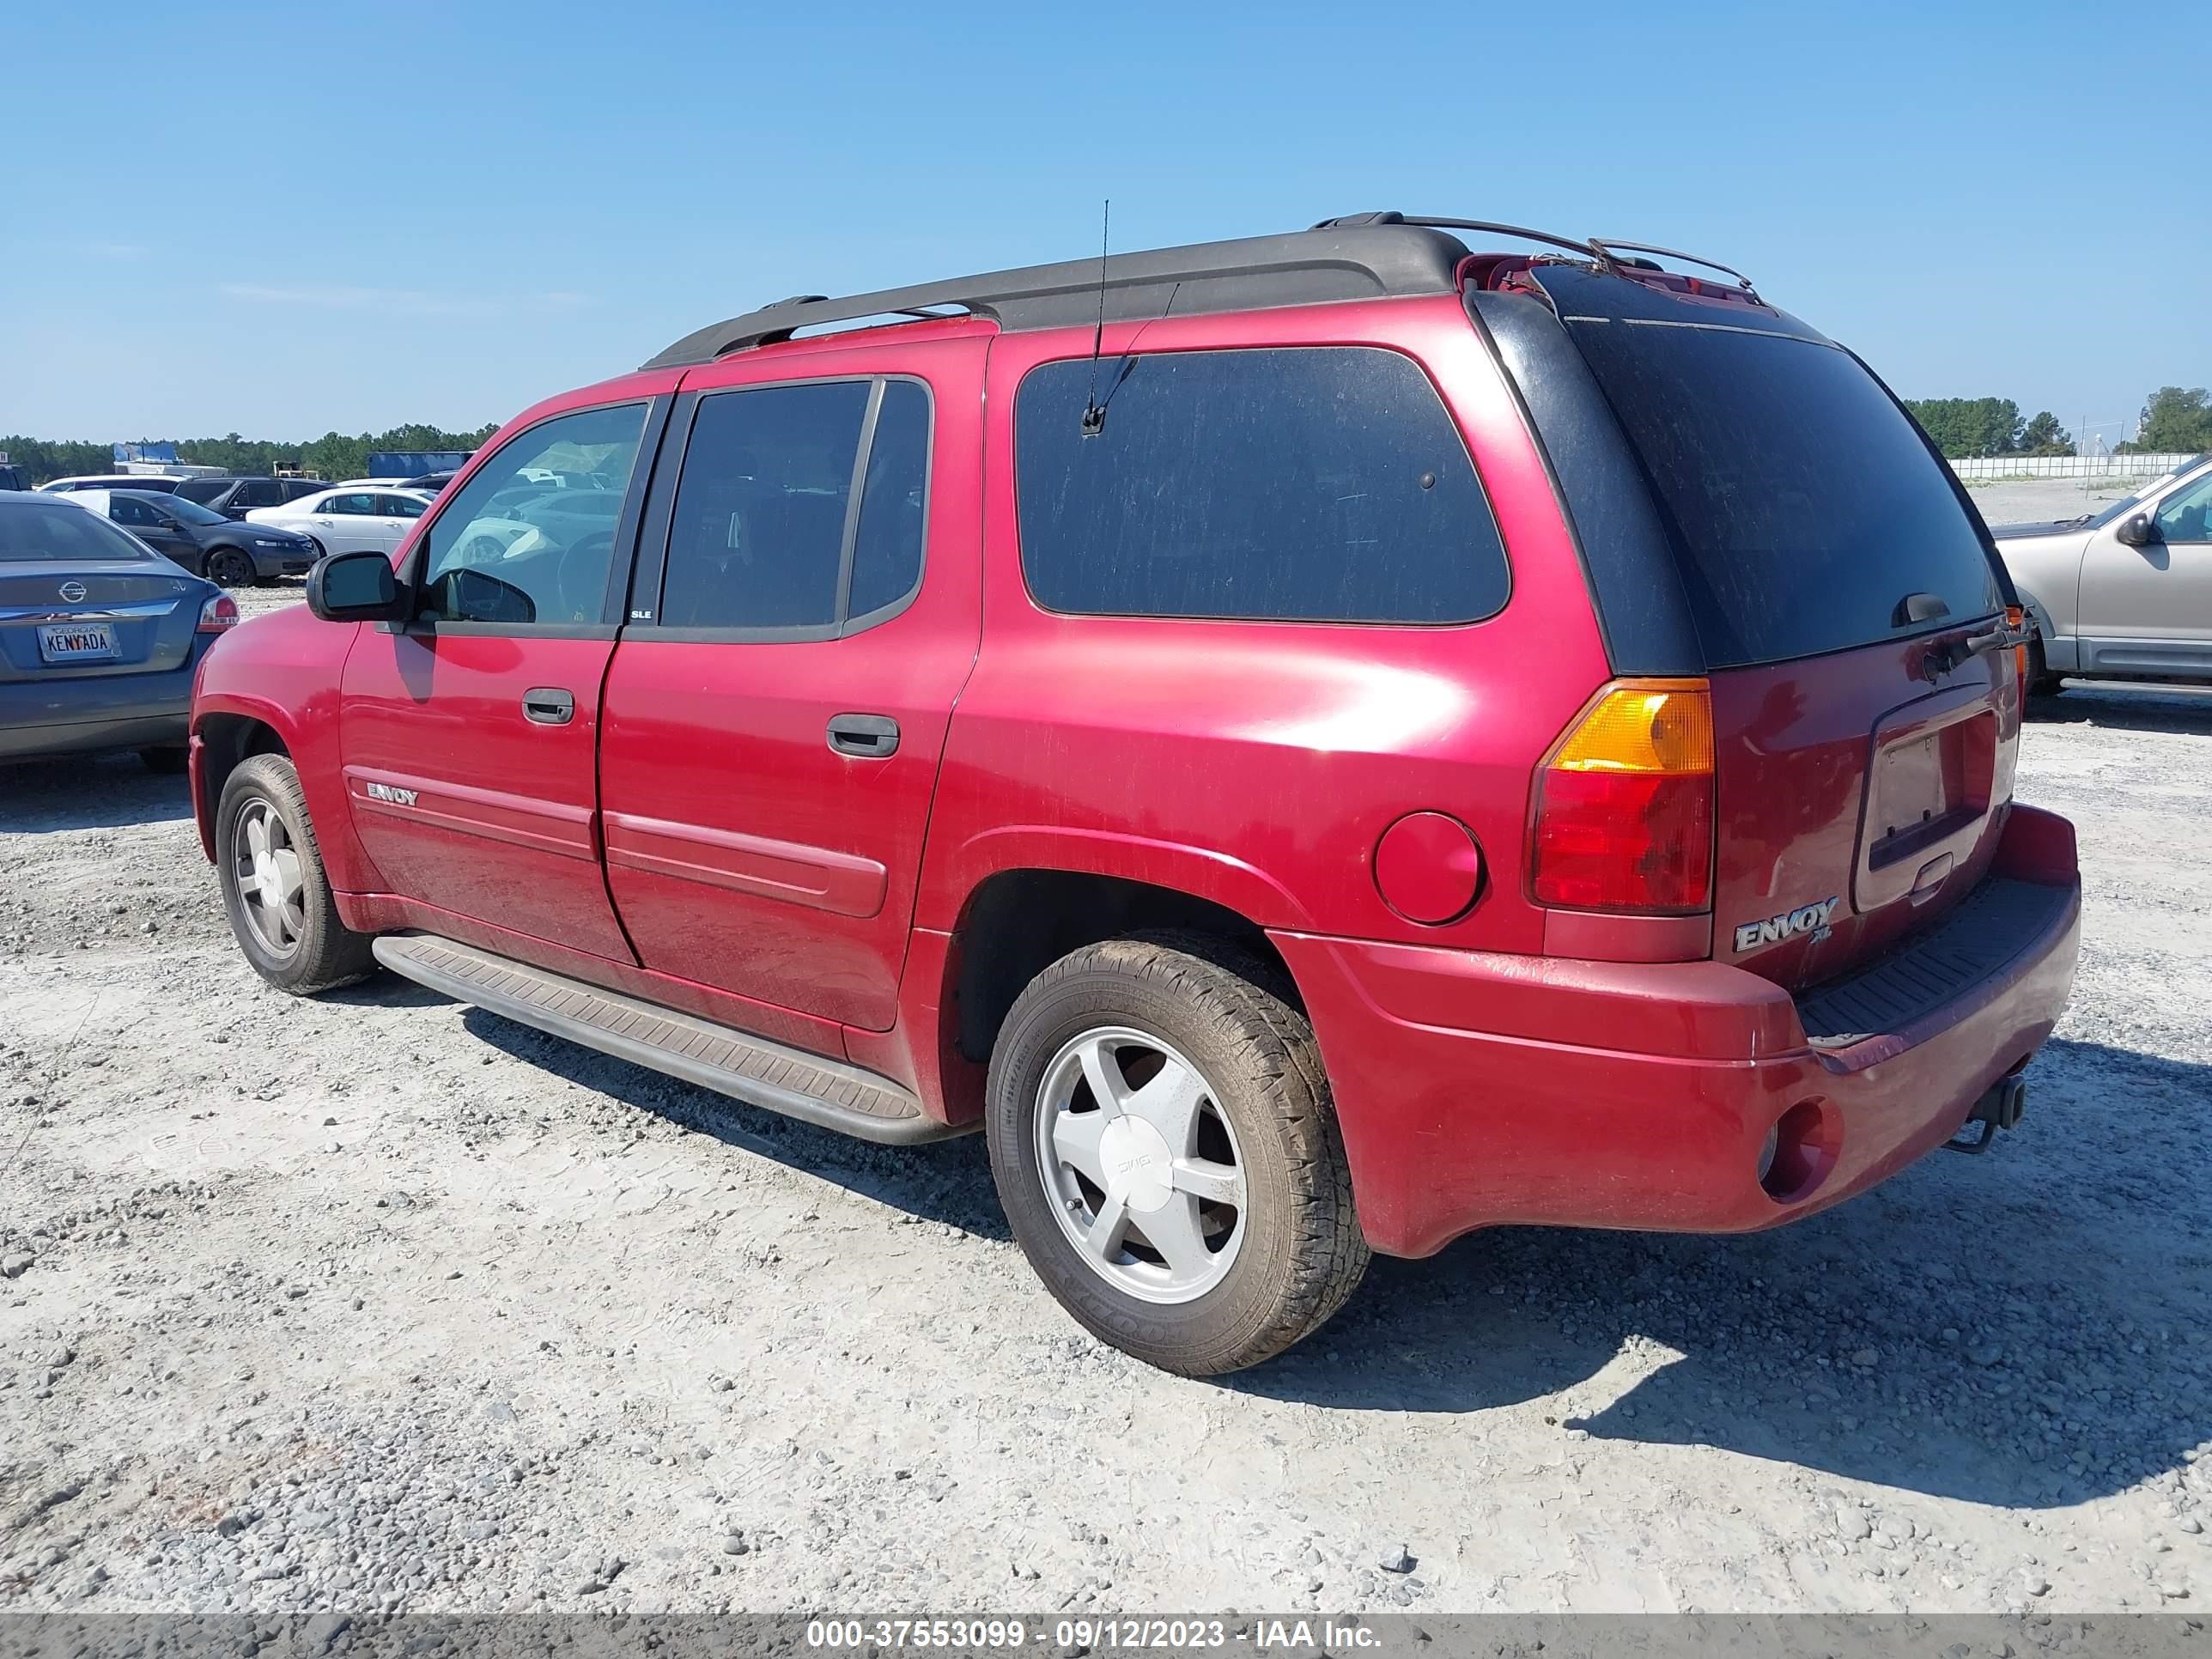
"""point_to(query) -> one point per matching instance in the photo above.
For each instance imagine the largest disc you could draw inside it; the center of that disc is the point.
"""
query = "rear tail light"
(1625, 803)
(2016, 622)
(218, 614)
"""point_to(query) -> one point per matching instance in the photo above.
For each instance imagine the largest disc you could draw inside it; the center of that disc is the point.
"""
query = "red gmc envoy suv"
(1316, 744)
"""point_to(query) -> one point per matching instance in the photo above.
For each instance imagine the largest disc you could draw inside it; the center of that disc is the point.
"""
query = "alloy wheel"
(271, 887)
(1141, 1165)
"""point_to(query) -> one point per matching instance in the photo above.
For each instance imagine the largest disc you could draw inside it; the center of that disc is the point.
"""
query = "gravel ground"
(2035, 500)
(377, 1302)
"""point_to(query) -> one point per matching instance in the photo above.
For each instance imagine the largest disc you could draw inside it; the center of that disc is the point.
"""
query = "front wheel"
(228, 568)
(1162, 1138)
(274, 888)
(2041, 681)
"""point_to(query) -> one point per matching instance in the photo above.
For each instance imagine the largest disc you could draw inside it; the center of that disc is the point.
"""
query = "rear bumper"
(71, 717)
(1477, 1090)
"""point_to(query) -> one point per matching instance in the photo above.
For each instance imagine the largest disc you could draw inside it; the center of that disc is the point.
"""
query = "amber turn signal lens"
(1648, 727)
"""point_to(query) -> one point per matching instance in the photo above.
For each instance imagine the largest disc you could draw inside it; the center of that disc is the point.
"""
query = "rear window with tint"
(63, 530)
(1802, 505)
(1306, 483)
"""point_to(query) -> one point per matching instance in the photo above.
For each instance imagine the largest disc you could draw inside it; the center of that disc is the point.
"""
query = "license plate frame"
(63, 645)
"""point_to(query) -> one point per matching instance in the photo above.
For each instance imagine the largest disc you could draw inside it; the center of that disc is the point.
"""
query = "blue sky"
(288, 219)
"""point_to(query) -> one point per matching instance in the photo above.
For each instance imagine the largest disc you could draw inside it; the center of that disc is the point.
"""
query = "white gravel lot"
(377, 1302)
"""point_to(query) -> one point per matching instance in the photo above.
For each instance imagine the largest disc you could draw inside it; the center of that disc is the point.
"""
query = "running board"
(824, 1092)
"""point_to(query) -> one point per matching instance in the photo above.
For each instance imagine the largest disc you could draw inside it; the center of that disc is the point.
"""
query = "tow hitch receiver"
(2000, 1108)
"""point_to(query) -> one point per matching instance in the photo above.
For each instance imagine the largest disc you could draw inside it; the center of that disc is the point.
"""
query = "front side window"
(530, 539)
(257, 492)
(1315, 484)
(763, 534)
(398, 507)
(2182, 515)
(136, 514)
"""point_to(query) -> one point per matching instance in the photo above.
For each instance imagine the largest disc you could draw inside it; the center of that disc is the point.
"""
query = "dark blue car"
(99, 635)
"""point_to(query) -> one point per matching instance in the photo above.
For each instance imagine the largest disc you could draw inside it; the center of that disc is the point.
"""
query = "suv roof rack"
(1357, 262)
(1358, 256)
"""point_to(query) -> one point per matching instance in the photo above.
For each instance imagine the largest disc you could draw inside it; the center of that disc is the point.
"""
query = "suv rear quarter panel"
(1257, 764)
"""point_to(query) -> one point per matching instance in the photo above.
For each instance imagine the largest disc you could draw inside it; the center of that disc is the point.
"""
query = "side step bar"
(824, 1092)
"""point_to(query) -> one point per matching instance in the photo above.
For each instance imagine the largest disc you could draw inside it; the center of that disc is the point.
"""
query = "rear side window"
(763, 535)
(1802, 505)
(1306, 483)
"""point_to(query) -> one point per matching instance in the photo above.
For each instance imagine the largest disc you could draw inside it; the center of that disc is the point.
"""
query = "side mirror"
(2136, 530)
(356, 587)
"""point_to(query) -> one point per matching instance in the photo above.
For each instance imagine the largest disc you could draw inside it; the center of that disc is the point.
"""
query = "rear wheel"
(230, 568)
(1162, 1138)
(274, 888)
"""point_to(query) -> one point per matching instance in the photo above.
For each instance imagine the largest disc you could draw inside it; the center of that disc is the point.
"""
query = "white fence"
(2067, 466)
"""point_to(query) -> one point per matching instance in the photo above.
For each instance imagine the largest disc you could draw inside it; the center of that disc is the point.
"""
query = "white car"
(347, 518)
(164, 483)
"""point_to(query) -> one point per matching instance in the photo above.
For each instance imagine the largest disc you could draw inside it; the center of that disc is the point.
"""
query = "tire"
(168, 762)
(300, 944)
(226, 567)
(2041, 681)
(1293, 1246)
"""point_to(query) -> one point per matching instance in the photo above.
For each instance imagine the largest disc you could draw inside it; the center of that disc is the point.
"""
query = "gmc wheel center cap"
(1139, 1168)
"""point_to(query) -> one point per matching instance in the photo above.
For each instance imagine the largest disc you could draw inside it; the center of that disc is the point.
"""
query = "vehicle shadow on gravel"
(947, 1181)
(2126, 707)
(90, 792)
(2033, 1328)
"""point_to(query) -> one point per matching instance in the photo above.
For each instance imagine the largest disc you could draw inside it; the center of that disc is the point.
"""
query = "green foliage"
(2043, 436)
(2175, 422)
(333, 455)
(1969, 426)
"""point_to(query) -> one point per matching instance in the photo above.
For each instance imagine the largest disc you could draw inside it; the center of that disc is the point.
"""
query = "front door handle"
(548, 705)
(869, 737)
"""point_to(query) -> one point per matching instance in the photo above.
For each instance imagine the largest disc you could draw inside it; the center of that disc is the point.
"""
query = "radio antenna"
(1094, 412)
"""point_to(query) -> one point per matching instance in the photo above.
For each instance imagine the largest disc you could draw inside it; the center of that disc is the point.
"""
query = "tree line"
(334, 455)
(2173, 421)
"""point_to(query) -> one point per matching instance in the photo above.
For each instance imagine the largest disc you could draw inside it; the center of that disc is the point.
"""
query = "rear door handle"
(869, 737)
(548, 705)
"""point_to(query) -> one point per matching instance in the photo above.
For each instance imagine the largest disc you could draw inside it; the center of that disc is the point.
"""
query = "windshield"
(2105, 515)
(183, 507)
(32, 534)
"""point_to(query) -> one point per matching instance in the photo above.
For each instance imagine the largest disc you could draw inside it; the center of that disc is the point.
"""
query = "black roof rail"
(1611, 245)
(1591, 249)
(1380, 260)
(1357, 256)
